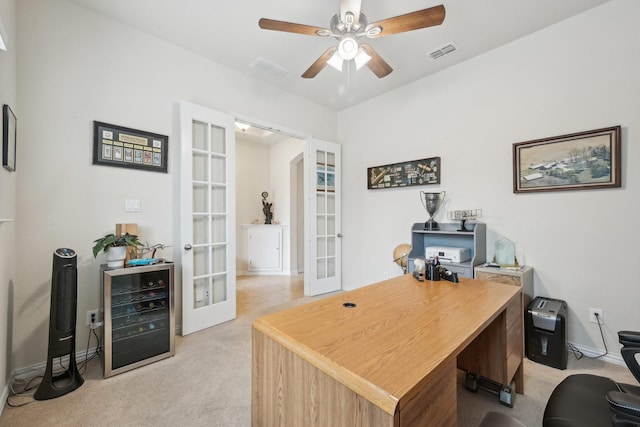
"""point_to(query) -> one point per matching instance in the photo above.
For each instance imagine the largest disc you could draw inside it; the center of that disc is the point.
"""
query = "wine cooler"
(139, 316)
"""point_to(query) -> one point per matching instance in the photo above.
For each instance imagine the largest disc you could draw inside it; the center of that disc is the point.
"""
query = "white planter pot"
(116, 256)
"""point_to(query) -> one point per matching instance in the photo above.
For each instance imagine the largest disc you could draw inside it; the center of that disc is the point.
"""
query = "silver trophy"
(431, 203)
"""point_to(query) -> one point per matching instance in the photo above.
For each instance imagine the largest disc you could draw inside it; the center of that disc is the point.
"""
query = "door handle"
(339, 235)
(188, 247)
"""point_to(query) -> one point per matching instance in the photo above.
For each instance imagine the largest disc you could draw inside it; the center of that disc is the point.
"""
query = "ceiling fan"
(348, 26)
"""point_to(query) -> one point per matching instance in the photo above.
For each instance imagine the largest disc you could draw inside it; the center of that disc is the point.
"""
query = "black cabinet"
(139, 317)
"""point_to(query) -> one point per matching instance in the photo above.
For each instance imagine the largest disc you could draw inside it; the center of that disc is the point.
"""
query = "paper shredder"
(546, 332)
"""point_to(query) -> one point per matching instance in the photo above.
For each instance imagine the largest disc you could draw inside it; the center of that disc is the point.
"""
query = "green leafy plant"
(111, 240)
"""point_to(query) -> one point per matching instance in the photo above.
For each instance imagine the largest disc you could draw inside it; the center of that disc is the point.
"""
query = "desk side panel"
(486, 355)
(498, 351)
(435, 404)
(515, 342)
(288, 391)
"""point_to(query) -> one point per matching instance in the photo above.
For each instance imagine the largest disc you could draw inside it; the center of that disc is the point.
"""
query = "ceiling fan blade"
(411, 21)
(288, 27)
(319, 64)
(376, 64)
(352, 6)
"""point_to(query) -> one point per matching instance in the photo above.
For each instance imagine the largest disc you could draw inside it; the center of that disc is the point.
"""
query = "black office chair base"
(506, 394)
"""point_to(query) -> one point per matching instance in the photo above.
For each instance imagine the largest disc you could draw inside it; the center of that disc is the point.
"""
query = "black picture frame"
(577, 161)
(404, 174)
(9, 138)
(125, 147)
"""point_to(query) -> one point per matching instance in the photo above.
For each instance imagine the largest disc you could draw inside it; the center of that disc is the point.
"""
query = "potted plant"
(115, 247)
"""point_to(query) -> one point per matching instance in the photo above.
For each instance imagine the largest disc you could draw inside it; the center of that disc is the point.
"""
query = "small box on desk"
(546, 332)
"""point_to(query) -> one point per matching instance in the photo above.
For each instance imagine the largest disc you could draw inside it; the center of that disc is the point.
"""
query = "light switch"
(131, 205)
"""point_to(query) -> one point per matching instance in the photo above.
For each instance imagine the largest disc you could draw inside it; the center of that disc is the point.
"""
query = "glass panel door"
(207, 217)
(324, 249)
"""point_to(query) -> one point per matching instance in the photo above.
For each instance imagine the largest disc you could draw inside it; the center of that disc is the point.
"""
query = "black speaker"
(62, 327)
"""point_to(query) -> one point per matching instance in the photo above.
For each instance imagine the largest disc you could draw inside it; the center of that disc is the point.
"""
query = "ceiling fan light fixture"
(348, 26)
(336, 61)
(361, 58)
(348, 47)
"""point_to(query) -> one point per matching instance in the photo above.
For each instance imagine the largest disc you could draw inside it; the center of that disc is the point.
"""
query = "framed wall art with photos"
(129, 148)
(9, 138)
(404, 174)
(577, 161)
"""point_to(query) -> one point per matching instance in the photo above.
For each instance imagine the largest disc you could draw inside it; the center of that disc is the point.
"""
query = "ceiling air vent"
(443, 50)
(268, 68)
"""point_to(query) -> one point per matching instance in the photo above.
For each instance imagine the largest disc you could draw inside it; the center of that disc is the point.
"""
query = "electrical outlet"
(92, 317)
(592, 315)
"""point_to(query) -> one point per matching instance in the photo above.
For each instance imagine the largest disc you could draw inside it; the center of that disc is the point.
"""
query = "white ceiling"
(228, 33)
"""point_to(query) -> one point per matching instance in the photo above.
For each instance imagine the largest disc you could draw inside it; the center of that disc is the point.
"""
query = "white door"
(207, 212)
(323, 266)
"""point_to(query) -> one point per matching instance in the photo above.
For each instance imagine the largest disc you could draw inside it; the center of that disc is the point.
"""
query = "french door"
(323, 254)
(207, 216)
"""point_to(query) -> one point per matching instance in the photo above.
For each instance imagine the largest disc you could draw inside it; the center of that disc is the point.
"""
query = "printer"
(447, 254)
(546, 332)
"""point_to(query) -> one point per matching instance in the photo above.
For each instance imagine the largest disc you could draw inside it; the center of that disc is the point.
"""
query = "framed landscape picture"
(578, 161)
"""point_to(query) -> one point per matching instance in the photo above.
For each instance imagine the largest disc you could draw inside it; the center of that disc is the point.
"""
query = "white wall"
(579, 75)
(75, 67)
(282, 155)
(8, 95)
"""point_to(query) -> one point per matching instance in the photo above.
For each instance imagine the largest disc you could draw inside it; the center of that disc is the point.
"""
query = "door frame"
(307, 139)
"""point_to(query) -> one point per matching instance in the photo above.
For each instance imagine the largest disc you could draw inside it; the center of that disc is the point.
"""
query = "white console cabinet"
(265, 248)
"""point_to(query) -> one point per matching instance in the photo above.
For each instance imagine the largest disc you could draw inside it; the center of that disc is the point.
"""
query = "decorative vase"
(116, 256)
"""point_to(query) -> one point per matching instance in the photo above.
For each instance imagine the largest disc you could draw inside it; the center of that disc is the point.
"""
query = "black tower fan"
(62, 327)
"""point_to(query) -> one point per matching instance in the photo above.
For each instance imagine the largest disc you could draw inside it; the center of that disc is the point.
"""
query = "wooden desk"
(390, 360)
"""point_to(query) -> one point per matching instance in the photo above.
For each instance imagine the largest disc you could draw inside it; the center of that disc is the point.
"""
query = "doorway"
(209, 147)
(272, 161)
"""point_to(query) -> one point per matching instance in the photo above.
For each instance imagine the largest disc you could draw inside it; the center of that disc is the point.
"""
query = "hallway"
(255, 292)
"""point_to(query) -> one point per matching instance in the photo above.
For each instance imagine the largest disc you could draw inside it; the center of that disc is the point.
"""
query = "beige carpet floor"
(208, 381)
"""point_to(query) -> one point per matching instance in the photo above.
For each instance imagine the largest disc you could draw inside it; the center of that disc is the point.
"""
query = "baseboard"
(595, 352)
(39, 368)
